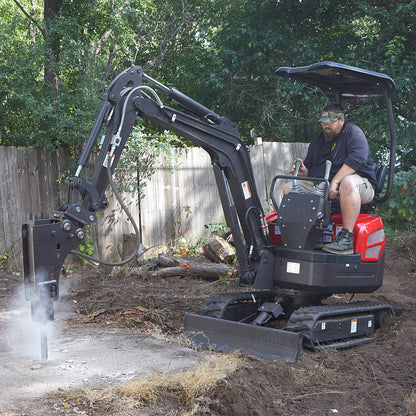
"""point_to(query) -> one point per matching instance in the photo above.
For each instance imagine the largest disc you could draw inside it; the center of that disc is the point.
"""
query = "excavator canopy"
(347, 81)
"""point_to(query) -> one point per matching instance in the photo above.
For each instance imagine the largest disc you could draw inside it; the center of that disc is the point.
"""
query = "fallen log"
(163, 260)
(219, 250)
(209, 271)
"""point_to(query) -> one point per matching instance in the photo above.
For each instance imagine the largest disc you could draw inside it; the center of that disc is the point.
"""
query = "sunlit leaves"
(222, 53)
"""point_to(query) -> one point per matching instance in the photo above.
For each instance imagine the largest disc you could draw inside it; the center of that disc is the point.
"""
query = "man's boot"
(342, 243)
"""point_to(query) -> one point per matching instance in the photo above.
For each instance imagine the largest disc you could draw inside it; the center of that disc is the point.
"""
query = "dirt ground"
(378, 378)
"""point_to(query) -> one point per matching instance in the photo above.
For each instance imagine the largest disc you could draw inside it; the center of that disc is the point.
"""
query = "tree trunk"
(209, 271)
(52, 44)
(166, 266)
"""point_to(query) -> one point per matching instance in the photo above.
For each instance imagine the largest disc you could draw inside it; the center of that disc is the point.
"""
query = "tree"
(241, 43)
(222, 53)
(84, 45)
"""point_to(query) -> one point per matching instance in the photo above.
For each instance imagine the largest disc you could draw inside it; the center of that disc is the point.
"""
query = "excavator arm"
(47, 240)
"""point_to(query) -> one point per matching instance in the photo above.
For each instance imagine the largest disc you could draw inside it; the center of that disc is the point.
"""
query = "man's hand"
(337, 179)
(303, 170)
(333, 190)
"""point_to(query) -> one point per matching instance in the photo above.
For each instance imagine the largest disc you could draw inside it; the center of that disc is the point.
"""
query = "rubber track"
(217, 304)
(304, 319)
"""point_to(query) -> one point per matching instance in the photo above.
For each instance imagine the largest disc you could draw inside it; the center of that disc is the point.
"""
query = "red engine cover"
(369, 238)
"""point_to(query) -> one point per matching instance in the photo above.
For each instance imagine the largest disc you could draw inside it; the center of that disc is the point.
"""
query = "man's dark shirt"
(350, 147)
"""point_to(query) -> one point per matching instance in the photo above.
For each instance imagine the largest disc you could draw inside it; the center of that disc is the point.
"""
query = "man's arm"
(357, 145)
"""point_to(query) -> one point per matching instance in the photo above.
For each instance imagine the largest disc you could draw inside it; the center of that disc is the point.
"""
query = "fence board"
(278, 160)
(23, 184)
(181, 203)
(4, 191)
(257, 160)
(200, 203)
(13, 204)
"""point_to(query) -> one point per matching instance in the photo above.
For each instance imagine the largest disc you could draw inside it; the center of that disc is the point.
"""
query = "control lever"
(319, 189)
(296, 188)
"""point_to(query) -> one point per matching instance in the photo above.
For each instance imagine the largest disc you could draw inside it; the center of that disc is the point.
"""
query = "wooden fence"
(177, 204)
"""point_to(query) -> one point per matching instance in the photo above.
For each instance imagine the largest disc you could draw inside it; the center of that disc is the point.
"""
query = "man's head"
(332, 120)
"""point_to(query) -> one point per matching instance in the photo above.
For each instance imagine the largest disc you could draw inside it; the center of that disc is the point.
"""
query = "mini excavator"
(286, 278)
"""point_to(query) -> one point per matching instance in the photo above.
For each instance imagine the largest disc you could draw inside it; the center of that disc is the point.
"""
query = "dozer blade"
(227, 336)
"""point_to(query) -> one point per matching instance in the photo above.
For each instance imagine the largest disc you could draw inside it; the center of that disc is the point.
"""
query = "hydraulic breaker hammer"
(46, 244)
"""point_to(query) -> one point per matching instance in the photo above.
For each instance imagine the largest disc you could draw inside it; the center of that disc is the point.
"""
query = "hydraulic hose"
(133, 255)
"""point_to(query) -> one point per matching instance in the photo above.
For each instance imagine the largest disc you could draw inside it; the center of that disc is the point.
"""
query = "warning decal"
(353, 326)
(246, 190)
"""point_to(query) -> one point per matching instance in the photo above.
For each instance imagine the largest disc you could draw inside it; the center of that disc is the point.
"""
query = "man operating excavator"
(352, 177)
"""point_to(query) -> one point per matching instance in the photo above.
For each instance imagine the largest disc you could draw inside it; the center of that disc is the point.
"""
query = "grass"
(148, 390)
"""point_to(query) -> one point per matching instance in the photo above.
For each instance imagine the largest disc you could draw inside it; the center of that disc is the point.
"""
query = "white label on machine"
(293, 267)
(246, 190)
(370, 323)
(323, 326)
(353, 326)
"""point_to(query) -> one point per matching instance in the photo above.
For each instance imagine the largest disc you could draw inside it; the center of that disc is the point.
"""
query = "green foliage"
(240, 44)
(4, 260)
(395, 328)
(224, 280)
(222, 53)
(144, 154)
(96, 41)
(219, 228)
(399, 212)
(87, 247)
(184, 249)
